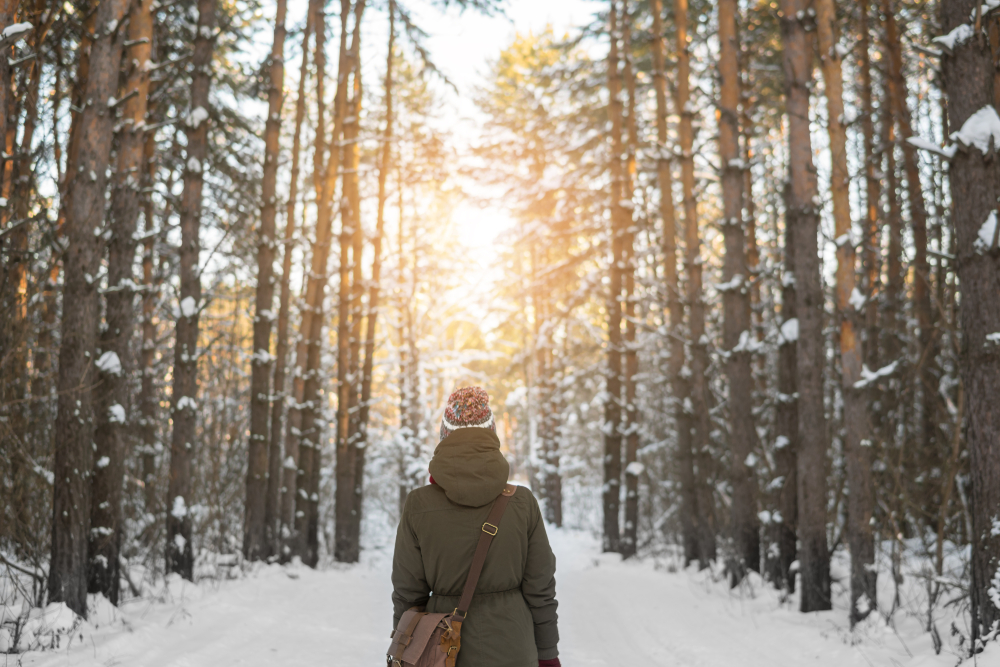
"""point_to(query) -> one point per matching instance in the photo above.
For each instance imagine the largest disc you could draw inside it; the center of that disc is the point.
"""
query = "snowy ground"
(611, 614)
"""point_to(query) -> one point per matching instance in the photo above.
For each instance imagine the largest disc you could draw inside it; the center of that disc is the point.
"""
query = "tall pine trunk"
(802, 215)
(870, 156)
(85, 206)
(281, 485)
(738, 339)
(696, 403)
(975, 188)
(346, 458)
(630, 432)
(351, 220)
(385, 166)
(183, 405)
(927, 383)
(258, 533)
(307, 495)
(113, 401)
(612, 402)
(857, 449)
(148, 399)
(675, 310)
(786, 420)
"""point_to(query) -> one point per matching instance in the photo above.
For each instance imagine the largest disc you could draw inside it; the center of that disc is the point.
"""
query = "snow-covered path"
(611, 615)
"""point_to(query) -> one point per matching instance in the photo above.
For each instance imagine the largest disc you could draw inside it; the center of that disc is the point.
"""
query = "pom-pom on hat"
(468, 407)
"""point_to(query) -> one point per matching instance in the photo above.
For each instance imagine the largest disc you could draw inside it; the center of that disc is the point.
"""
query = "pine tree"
(803, 217)
(736, 304)
(968, 75)
(184, 405)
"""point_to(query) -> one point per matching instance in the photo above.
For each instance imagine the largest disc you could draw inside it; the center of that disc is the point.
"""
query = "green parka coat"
(512, 620)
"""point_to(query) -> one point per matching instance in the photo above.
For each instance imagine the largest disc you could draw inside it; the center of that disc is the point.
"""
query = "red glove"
(551, 662)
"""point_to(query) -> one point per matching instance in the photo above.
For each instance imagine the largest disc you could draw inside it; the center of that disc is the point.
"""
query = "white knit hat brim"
(453, 427)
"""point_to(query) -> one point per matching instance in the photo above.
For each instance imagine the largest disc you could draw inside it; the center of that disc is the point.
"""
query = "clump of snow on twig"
(15, 31)
(987, 232)
(959, 35)
(979, 129)
(109, 363)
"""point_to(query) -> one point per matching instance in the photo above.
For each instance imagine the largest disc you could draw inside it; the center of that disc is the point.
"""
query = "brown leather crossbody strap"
(490, 529)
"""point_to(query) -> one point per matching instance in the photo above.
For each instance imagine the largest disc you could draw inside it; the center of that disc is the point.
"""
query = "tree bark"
(346, 454)
(180, 554)
(675, 309)
(786, 423)
(696, 403)
(871, 157)
(301, 439)
(374, 291)
(975, 186)
(148, 399)
(630, 432)
(613, 401)
(803, 216)
(307, 497)
(925, 375)
(857, 448)
(737, 336)
(258, 532)
(351, 220)
(77, 372)
(15, 256)
(113, 397)
(281, 485)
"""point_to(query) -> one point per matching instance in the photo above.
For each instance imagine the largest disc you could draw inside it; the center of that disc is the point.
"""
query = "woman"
(512, 620)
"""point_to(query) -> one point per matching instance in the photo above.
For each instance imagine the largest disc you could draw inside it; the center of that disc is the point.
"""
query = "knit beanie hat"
(468, 407)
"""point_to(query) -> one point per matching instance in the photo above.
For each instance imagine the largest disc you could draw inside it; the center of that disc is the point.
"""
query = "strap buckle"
(488, 531)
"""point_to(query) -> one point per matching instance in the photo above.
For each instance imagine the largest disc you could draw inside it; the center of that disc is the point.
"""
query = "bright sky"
(462, 44)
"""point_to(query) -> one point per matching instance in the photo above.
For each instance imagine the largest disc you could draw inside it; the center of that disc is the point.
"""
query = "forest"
(743, 314)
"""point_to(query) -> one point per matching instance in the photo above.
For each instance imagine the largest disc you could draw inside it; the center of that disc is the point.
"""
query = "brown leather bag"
(433, 640)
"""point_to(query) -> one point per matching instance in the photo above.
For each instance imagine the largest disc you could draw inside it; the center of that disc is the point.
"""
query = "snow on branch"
(109, 363)
(986, 239)
(922, 144)
(980, 128)
(959, 35)
(867, 377)
(14, 33)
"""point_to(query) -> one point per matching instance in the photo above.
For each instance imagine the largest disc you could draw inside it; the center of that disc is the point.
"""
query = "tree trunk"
(738, 339)
(346, 453)
(975, 187)
(697, 401)
(280, 504)
(786, 421)
(183, 405)
(374, 291)
(77, 371)
(630, 432)
(148, 398)
(857, 449)
(258, 533)
(679, 385)
(15, 257)
(351, 219)
(926, 377)
(802, 215)
(307, 496)
(301, 438)
(871, 157)
(113, 398)
(613, 403)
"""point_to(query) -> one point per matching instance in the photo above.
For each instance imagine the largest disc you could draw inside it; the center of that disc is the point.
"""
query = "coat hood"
(469, 467)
